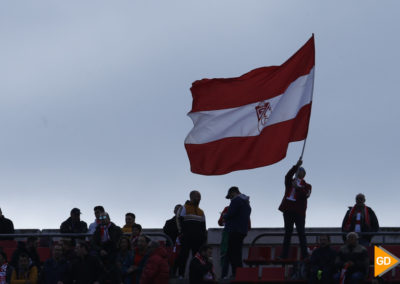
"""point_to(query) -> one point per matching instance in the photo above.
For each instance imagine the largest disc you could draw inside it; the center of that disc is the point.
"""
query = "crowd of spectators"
(107, 253)
(102, 253)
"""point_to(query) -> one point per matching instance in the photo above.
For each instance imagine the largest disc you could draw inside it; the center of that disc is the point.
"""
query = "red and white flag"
(247, 122)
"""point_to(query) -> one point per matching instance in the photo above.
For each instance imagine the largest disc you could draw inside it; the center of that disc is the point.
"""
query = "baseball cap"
(233, 189)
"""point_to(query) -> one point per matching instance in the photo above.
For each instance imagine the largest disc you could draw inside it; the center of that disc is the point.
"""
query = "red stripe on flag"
(257, 85)
(239, 153)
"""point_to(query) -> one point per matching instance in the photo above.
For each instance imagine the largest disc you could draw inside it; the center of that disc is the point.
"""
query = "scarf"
(210, 275)
(293, 193)
(355, 210)
(105, 236)
(343, 274)
(3, 273)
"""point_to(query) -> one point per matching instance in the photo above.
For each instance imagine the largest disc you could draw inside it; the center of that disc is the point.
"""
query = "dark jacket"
(298, 206)
(323, 258)
(156, 269)
(193, 222)
(373, 227)
(199, 269)
(171, 229)
(54, 271)
(6, 227)
(124, 262)
(85, 270)
(109, 246)
(238, 215)
(69, 227)
(358, 255)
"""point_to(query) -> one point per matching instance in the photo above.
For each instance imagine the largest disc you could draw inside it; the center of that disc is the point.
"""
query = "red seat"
(44, 253)
(258, 256)
(9, 252)
(292, 257)
(8, 243)
(273, 274)
(246, 275)
(171, 255)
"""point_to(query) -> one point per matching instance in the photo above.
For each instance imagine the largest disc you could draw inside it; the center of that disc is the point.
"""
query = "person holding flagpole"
(294, 206)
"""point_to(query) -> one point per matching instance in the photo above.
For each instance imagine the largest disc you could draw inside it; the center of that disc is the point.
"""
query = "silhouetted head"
(301, 173)
(75, 215)
(232, 192)
(104, 218)
(130, 219)
(324, 240)
(195, 197)
(360, 199)
(97, 210)
(177, 208)
(205, 251)
(352, 239)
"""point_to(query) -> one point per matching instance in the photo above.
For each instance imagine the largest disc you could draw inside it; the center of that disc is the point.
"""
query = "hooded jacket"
(156, 269)
(238, 215)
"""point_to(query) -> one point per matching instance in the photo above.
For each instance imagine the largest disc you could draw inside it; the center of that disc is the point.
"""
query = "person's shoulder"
(8, 220)
(66, 222)
(115, 227)
(360, 249)
(201, 212)
(170, 221)
(242, 199)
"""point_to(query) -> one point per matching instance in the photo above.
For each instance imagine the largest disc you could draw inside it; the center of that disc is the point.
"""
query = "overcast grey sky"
(94, 97)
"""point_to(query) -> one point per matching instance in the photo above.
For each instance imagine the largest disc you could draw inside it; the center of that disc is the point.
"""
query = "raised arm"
(291, 172)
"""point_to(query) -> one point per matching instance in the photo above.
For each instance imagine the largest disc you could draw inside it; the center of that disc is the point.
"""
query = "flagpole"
(312, 94)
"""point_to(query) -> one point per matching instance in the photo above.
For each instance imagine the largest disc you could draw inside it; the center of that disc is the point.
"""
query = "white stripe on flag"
(242, 121)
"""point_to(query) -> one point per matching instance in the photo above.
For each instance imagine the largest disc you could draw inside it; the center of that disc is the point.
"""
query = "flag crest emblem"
(263, 110)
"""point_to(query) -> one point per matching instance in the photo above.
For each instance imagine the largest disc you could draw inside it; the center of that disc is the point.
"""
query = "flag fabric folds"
(248, 122)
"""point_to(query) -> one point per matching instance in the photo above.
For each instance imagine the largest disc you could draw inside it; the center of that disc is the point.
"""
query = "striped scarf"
(104, 233)
(355, 210)
(3, 273)
(343, 274)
